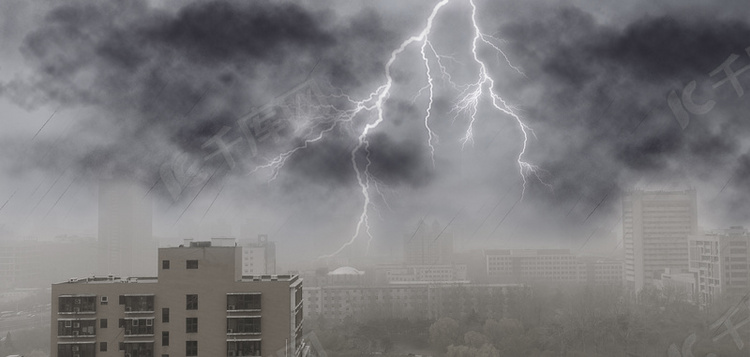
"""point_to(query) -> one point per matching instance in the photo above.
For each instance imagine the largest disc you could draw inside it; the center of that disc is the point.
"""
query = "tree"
(475, 339)
(444, 332)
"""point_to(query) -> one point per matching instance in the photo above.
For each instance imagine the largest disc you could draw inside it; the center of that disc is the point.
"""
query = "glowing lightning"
(467, 103)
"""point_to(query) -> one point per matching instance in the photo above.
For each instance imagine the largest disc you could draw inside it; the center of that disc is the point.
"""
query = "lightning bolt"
(467, 104)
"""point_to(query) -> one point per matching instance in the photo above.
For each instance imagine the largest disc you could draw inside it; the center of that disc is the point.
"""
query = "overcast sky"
(138, 89)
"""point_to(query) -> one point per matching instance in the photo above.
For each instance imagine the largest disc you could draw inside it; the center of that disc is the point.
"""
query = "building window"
(136, 327)
(74, 328)
(103, 323)
(192, 302)
(243, 325)
(243, 348)
(191, 348)
(191, 325)
(165, 264)
(165, 314)
(165, 338)
(76, 304)
(103, 346)
(192, 264)
(72, 349)
(243, 301)
(137, 303)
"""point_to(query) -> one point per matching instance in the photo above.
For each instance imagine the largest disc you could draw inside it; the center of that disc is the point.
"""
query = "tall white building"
(125, 243)
(656, 226)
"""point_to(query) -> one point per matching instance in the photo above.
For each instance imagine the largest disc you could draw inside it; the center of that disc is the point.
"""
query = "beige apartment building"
(199, 305)
(656, 226)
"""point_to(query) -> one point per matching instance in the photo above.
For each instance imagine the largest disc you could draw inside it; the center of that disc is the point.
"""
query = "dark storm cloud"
(606, 87)
(165, 83)
(392, 162)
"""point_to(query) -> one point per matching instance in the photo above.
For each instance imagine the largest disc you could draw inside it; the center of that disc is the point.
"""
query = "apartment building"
(656, 226)
(720, 260)
(200, 304)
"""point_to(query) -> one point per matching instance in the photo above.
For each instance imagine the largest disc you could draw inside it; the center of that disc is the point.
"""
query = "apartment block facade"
(199, 305)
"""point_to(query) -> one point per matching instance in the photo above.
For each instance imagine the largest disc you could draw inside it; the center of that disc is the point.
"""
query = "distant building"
(720, 259)
(594, 270)
(550, 266)
(408, 300)
(259, 257)
(656, 226)
(428, 245)
(415, 273)
(200, 305)
(125, 243)
(680, 286)
(20, 263)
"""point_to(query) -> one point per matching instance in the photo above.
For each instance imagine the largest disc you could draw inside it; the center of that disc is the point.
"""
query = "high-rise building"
(656, 226)
(720, 261)
(429, 244)
(259, 257)
(199, 305)
(125, 243)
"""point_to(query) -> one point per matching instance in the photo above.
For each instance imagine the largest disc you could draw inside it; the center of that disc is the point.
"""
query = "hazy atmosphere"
(337, 128)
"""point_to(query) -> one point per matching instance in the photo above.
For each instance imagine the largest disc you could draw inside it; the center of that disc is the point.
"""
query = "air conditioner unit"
(149, 322)
(128, 308)
(76, 324)
(104, 299)
(232, 307)
(229, 330)
(68, 323)
(135, 322)
(77, 301)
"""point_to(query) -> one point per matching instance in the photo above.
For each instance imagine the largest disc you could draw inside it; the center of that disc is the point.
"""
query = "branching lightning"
(467, 104)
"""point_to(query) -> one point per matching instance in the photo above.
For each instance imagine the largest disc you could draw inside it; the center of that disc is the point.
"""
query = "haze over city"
(327, 135)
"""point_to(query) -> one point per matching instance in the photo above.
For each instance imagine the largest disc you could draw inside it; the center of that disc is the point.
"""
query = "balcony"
(243, 302)
(243, 325)
(138, 304)
(76, 304)
(72, 328)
